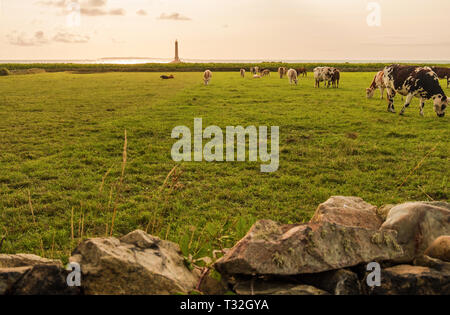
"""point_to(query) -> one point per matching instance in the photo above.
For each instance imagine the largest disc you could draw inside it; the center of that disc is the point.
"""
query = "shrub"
(4, 71)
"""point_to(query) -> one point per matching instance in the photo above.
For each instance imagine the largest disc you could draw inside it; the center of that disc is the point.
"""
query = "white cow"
(292, 76)
(207, 75)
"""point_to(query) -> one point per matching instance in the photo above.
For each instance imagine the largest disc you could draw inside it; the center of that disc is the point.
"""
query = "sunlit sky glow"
(225, 29)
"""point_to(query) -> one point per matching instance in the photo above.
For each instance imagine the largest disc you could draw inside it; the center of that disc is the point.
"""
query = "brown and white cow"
(265, 72)
(335, 78)
(413, 81)
(323, 74)
(292, 76)
(282, 71)
(207, 75)
(377, 83)
(442, 73)
(243, 73)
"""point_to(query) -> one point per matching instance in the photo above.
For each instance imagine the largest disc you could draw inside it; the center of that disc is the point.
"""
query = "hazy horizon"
(266, 30)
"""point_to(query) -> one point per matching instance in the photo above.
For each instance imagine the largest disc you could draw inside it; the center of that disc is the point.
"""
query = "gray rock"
(337, 282)
(261, 287)
(348, 211)
(418, 224)
(412, 280)
(23, 260)
(9, 276)
(138, 263)
(440, 248)
(270, 248)
(44, 280)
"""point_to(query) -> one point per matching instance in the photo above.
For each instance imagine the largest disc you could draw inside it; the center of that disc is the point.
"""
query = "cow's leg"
(422, 104)
(448, 82)
(390, 98)
(382, 91)
(407, 102)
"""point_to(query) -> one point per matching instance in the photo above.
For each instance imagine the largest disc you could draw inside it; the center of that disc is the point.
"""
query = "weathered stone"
(337, 282)
(9, 276)
(418, 224)
(261, 287)
(440, 248)
(22, 260)
(383, 211)
(44, 280)
(213, 284)
(348, 211)
(426, 261)
(416, 280)
(270, 248)
(138, 263)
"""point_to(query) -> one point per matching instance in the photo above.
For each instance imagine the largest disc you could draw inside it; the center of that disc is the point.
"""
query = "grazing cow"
(323, 74)
(377, 83)
(207, 75)
(292, 76)
(410, 81)
(256, 70)
(282, 71)
(265, 72)
(243, 73)
(166, 77)
(302, 71)
(335, 77)
(252, 70)
(442, 73)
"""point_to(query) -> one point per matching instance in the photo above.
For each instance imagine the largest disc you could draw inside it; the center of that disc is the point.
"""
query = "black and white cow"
(329, 75)
(442, 73)
(410, 81)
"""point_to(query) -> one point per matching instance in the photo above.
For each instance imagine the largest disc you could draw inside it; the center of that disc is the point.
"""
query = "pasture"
(62, 142)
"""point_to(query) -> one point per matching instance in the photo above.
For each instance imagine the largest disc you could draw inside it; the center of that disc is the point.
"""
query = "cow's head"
(370, 92)
(440, 104)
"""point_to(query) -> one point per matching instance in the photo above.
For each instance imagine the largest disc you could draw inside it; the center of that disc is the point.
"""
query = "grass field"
(62, 140)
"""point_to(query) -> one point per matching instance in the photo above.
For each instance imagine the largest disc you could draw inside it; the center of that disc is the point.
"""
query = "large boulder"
(440, 248)
(414, 280)
(348, 211)
(262, 287)
(418, 224)
(138, 263)
(270, 248)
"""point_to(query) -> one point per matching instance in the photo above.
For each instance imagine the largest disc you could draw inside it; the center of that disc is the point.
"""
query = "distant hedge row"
(194, 67)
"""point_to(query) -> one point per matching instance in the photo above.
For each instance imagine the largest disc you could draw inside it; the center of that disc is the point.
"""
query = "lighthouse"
(177, 57)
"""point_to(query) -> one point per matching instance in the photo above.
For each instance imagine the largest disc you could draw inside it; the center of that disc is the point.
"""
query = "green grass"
(61, 133)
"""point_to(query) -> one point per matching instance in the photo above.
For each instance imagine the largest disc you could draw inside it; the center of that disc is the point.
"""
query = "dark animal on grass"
(302, 71)
(167, 77)
(413, 81)
(442, 73)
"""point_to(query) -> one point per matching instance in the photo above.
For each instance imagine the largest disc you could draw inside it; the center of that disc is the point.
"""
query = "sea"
(138, 60)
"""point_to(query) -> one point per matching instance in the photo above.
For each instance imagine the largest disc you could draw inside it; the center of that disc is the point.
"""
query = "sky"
(225, 29)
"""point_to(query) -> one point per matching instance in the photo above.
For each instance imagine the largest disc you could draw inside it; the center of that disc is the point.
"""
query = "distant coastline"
(144, 60)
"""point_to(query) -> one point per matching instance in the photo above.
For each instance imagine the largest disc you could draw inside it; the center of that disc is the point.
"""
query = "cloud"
(69, 38)
(21, 39)
(39, 39)
(141, 12)
(86, 7)
(174, 17)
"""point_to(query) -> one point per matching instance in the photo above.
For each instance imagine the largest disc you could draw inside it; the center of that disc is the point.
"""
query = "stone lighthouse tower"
(177, 57)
